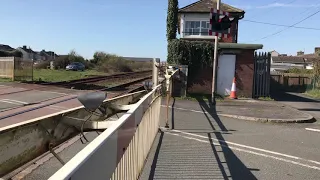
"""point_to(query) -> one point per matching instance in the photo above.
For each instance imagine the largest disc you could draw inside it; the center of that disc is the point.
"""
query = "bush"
(61, 62)
(113, 63)
(42, 65)
(299, 71)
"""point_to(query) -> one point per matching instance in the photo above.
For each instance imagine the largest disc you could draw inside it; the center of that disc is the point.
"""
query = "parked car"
(75, 66)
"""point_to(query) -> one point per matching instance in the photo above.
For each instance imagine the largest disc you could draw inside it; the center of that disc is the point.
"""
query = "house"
(27, 53)
(300, 61)
(274, 53)
(234, 61)
(283, 63)
(44, 55)
(194, 20)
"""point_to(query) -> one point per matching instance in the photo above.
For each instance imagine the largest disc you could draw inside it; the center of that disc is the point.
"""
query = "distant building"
(27, 53)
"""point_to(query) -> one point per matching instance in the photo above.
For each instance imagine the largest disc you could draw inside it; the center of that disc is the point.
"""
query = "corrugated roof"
(204, 6)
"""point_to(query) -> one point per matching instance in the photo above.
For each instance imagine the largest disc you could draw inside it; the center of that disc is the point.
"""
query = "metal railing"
(120, 151)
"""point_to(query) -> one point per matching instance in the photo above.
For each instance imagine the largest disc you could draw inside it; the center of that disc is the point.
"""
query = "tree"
(172, 19)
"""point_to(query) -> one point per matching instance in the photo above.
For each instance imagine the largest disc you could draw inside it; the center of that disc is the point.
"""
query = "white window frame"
(191, 29)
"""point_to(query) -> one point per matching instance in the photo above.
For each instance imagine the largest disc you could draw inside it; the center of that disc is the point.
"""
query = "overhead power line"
(281, 25)
(278, 32)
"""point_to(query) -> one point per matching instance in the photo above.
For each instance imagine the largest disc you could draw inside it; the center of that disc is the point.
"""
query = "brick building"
(235, 60)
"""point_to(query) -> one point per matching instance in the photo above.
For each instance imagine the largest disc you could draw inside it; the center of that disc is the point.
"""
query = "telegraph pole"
(214, 64)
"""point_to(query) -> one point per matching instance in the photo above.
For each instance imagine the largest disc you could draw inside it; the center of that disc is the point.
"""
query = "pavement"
(254, 110)
(204, 145)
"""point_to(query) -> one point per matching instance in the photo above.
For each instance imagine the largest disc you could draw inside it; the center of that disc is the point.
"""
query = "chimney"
(24, 47)
(317, 51)
(299, 53)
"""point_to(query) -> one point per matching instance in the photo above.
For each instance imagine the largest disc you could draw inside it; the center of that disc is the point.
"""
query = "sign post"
(221, 28)
(215, 59)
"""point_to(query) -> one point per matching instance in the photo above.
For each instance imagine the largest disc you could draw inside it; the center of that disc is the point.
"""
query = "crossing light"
(225, 23)
(221, 24)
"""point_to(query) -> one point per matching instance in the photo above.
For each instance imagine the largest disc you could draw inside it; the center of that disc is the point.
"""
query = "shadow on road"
(285, 96)
(155, 158)
(234, 165)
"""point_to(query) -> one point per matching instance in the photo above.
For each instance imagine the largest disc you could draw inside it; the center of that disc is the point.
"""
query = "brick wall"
(244, 73)
(200, 83)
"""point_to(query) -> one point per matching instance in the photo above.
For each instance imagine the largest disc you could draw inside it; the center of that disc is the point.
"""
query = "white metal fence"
(120, 151)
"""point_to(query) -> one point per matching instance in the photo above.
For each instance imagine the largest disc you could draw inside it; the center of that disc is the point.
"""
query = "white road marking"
(52, 92)
(250, 152)
(183, 109)
(12, 100)
(15, 103)
(248, 147)
(311, 129)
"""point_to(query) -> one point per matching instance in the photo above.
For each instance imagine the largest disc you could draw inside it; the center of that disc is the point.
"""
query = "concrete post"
(155, 73)
(51, 65)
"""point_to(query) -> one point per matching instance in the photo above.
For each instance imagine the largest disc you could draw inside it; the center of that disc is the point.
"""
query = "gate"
(261, 82)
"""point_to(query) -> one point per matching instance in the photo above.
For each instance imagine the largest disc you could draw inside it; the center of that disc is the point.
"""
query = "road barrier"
(120, 151)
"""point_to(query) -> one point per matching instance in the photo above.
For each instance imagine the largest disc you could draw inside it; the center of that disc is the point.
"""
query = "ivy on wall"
(196, 54)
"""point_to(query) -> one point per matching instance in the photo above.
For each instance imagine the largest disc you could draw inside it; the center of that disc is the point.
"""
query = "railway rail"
(80, 82)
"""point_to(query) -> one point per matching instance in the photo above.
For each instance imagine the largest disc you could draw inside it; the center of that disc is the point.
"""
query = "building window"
(196, 28)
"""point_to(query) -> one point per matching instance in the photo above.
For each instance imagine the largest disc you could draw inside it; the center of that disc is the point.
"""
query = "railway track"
(101, 78)
(119, 89)
(84, 84)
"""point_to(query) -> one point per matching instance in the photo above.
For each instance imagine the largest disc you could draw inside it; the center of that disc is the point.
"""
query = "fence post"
(155, 72)
(14, 63)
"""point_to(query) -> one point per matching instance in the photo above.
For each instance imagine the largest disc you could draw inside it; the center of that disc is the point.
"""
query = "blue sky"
(138, 27)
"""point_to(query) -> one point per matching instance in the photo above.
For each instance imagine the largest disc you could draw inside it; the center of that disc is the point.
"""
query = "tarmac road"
(240, 150)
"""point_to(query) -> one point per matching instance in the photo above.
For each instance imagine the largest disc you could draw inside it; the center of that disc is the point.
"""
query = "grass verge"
(315, 93)
(49, 75)
(5, 80)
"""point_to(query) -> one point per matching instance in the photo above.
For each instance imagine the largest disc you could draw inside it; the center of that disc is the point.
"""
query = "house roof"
(4, 47)
(48, 53)
(204, 6)
(308, 55)
(288, 59)
(28, 50)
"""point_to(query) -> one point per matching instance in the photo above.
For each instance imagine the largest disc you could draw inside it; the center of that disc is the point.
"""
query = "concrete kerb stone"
(266, 120)
(308, 118)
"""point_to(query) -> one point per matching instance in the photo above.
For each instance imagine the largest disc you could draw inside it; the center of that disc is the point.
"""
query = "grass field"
(61, 75)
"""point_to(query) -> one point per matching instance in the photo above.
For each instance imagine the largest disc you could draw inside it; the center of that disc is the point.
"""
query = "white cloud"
(275, 5)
